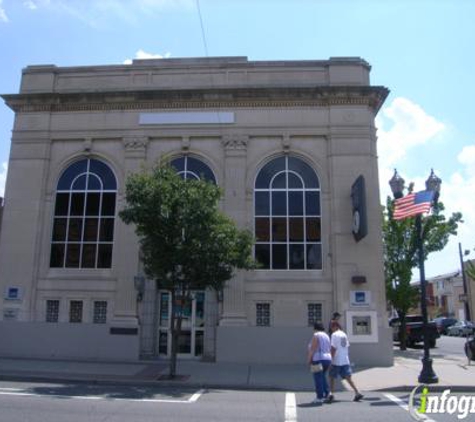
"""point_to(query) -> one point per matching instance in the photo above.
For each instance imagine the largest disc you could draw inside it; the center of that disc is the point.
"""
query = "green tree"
(187, 244)
(470, 269)
(400, 240)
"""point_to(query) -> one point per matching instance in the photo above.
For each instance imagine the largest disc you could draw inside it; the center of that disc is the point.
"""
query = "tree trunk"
(402, 331)
(175, 323)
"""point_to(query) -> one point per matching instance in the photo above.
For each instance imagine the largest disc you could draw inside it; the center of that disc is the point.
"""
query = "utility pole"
(464, 280)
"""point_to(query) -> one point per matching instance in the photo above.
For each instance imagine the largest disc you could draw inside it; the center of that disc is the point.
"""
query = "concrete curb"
(207, 385)
(145, 383)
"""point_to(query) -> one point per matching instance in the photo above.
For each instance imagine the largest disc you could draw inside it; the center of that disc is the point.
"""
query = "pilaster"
(235, 154)
(127, 255)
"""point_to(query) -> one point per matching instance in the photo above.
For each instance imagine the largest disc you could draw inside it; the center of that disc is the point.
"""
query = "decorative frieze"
(235, 142)
(135, 143)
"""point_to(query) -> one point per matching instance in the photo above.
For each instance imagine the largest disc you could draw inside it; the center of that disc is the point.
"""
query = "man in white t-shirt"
(340, 361)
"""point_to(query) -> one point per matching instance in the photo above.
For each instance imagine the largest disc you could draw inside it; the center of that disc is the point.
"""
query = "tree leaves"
(400, 239)
(187, 244)
(184, 238)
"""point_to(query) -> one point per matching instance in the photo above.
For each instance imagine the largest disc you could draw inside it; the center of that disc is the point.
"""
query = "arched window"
(192, 168)
(84, 214)
(287, 216)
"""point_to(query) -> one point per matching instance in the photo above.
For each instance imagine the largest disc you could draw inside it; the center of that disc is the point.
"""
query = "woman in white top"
(319, 352)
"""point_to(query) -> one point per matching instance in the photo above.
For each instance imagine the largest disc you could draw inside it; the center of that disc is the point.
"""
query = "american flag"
(413, 204)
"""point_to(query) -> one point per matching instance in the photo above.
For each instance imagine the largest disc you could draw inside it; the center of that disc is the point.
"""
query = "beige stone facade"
(67, 299)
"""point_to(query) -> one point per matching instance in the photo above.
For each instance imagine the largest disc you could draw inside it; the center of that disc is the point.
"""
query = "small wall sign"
(360, 297)
(12, 293)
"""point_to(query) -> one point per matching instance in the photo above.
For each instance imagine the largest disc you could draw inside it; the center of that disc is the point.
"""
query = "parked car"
(414, 331)
(443, 323)
(461, 328)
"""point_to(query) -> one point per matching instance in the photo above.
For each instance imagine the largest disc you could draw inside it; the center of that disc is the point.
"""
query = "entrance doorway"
(191, 340)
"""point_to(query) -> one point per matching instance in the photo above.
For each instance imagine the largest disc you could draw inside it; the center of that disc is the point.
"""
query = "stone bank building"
(291, 143)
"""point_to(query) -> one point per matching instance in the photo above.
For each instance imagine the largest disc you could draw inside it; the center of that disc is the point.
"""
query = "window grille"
(263, 314)
(52, 310)
(100, 312)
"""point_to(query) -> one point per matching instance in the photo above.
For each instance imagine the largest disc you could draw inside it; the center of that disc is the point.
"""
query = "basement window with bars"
(75, 311)
(314, 313)
(52, 310)
(263, 314)
(100, 312)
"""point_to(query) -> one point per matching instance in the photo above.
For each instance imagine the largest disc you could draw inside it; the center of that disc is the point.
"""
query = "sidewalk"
(453, 373)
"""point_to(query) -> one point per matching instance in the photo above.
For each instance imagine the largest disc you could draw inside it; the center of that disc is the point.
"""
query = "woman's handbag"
(316, 367)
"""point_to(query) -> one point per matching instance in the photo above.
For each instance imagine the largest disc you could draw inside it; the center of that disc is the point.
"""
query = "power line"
(203, 36)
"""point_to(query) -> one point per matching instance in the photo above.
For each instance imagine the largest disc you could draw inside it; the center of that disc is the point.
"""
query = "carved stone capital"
(235, 142)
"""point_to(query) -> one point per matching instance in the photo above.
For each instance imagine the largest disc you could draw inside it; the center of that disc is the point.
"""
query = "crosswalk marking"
(403, 405)
(290, 407)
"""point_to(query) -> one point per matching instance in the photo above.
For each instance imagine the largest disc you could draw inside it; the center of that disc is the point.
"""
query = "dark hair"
(318, 326)
(334, 324)
(336, 315)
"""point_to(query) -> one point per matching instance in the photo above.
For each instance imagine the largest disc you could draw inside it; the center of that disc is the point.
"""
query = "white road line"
(195, 396)
(20, 392)
(16, 393)
(402, 404)
(290, 408)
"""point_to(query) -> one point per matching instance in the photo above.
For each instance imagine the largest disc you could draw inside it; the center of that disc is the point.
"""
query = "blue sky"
(422, 50)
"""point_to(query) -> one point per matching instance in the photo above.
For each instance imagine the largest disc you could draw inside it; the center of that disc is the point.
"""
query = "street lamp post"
(464, 281)
(427, 375)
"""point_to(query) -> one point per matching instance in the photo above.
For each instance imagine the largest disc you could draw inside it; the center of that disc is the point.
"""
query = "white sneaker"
(317, 401)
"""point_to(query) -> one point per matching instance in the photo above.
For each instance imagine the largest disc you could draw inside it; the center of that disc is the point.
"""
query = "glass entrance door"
(190, 342)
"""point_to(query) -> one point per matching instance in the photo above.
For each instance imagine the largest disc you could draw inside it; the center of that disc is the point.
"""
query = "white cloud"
(3, 14)
(140, 54)
(402, 125)
(30, 4)
(457, 195)
(467, 158)
(410, 126)
(3, 178)
(458, 191)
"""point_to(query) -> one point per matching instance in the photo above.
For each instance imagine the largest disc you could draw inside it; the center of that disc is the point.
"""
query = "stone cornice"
(278, 97)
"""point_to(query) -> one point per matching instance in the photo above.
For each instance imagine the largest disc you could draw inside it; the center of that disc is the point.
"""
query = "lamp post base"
(427, 375)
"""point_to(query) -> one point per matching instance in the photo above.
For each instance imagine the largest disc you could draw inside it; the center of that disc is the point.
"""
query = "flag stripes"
(413, 204)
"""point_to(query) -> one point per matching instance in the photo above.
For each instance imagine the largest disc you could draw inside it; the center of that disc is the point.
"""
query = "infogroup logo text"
(444, 402)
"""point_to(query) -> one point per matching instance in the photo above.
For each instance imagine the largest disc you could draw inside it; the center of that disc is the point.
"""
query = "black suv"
(414, 330)
(443, 323)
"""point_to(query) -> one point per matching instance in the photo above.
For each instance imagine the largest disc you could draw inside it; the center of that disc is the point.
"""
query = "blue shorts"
(344, 371)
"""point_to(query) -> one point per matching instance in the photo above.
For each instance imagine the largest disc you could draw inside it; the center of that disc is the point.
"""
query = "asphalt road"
(446, 345)
(63, 402)
(451, 345)
(27, 402)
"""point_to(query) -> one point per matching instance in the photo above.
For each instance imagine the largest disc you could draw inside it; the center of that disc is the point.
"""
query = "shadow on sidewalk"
(66, 391)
